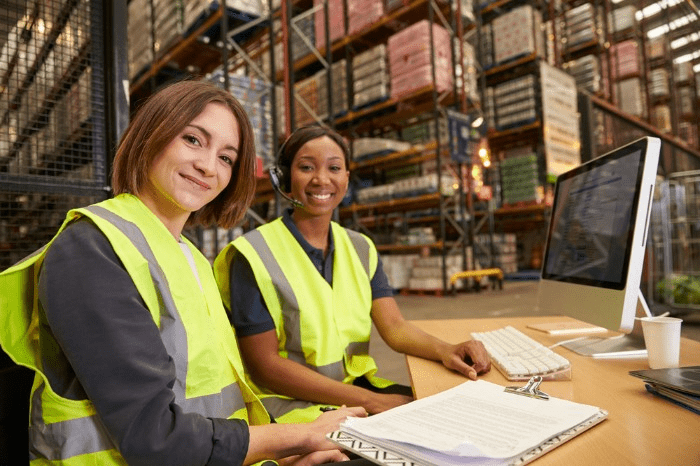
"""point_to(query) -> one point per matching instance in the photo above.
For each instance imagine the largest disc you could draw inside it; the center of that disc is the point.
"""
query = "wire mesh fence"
(52, 117)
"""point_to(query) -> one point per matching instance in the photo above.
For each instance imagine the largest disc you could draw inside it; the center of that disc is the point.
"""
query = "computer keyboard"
(519, 357)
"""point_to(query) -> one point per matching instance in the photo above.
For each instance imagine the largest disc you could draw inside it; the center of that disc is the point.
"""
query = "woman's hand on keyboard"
(468, 358)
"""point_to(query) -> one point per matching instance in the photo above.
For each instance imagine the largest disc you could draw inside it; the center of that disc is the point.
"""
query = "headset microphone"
(275, 175)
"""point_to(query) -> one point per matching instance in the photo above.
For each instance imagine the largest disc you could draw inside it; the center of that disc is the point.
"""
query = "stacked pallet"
(587, 72)
(426, 273)
(306, 100)
(338, 88)
(168, 24)
(626, 60)
(362, 13)
(629, 96)
(520, 179)
(497, 250)
(408, 187)
(622, 19)
(659, 83)
(304, 41)
(661, 117)
(517, 33)
(657, 48)
(582, 25)
(140, 52)
(398, 269)
(370, 73)
(625, 71)
(560, 119)
(515, 102)
(410, 59)
(368, 148)
(254, 96)
(421, 129)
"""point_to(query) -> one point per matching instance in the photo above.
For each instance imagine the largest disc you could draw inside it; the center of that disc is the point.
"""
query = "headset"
(279, 177)
(276, 173)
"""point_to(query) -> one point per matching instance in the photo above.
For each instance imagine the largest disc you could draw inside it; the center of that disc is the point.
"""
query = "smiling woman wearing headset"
(303, 293)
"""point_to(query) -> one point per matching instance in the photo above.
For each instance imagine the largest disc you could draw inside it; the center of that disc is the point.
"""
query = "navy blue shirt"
(249, 313)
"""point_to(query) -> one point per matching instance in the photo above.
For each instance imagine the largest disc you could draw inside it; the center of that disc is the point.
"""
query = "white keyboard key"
(519, 357)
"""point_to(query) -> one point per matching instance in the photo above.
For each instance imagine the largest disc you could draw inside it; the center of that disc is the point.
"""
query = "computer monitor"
(596, 240)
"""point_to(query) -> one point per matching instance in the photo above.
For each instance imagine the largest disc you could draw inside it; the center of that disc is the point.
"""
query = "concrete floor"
(516, 299)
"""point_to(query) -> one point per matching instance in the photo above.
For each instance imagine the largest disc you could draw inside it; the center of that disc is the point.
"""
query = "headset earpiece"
(276, 178)
(282, 172)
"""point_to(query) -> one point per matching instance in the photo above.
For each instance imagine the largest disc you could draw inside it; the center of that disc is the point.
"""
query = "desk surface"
(641, 428)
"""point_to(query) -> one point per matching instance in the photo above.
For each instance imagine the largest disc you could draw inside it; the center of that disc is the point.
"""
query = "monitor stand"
(624, 346)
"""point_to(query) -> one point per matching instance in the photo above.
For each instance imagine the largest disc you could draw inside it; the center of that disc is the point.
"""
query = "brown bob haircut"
(159, 120)
(296, 141)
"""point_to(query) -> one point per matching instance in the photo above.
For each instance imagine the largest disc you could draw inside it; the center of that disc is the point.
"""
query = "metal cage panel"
(52, 118)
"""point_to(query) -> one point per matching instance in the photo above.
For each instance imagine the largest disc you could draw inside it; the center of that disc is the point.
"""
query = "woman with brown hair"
(120, 317)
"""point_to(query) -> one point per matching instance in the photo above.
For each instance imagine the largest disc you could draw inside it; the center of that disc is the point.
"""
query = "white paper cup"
(662, 337)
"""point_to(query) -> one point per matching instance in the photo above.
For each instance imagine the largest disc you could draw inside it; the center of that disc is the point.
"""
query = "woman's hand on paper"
(329, 422)
(468, 358)
(380, 402)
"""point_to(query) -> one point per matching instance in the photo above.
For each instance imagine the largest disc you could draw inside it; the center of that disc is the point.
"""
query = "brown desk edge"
(641, 428)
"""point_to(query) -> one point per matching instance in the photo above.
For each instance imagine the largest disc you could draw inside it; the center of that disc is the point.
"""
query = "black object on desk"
(680, 385)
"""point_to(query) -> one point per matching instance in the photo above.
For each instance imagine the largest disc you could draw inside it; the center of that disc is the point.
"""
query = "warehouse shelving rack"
(373, 119)
(526, 219)
(457, 218)
(603, 126)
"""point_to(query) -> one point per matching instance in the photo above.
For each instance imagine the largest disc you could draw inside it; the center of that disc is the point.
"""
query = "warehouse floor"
(509, 302)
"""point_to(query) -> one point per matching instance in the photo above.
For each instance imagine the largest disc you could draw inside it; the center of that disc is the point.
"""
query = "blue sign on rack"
(459, 130)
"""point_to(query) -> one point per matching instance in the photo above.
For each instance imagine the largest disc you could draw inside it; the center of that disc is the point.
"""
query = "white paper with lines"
(473, 420)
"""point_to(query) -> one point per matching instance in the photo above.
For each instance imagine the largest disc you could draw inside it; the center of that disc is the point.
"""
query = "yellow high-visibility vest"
(192, 323)
(324, 327)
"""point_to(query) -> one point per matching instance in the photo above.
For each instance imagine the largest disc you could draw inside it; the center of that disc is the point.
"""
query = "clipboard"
(382, 455)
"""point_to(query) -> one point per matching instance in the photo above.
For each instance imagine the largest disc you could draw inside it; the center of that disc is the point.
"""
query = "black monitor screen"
(593, 219)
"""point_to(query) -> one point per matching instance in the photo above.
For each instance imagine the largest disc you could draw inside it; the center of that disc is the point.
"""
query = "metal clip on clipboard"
(531, 389)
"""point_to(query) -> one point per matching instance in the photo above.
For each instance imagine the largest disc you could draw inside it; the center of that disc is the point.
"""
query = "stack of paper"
(476, 422)
(679, 384)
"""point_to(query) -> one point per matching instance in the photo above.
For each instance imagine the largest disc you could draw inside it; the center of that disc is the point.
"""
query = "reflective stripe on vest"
(292, 320)
(275, 257)
(75, 436)
(86, 434)
(220, 405)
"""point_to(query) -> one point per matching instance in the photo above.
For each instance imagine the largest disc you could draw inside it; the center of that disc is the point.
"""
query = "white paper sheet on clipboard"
(475, 422)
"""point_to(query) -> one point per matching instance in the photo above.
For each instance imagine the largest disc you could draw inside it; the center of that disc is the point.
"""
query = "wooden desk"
(641, 428)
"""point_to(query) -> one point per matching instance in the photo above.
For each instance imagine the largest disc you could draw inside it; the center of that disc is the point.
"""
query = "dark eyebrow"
(207, 134)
